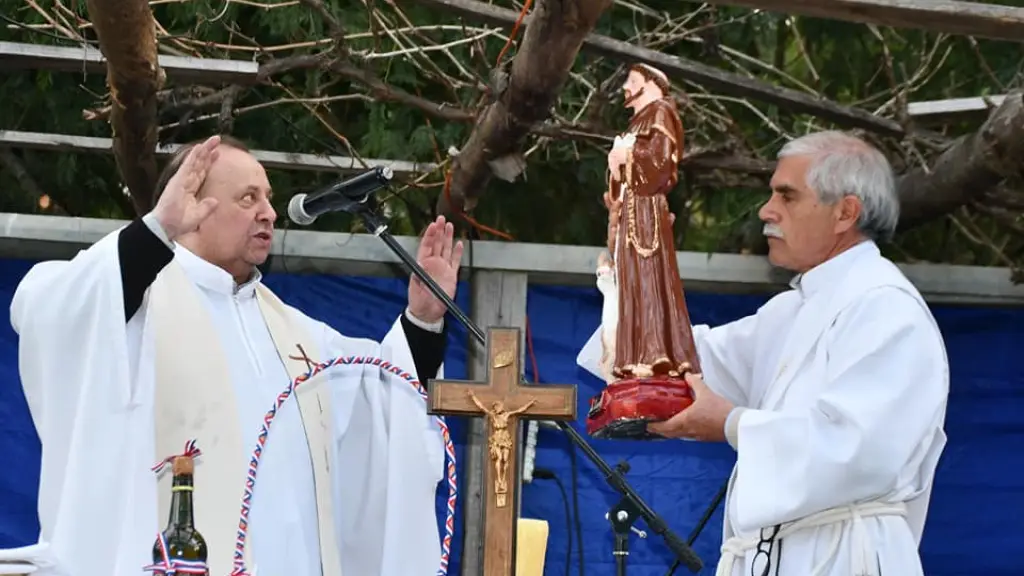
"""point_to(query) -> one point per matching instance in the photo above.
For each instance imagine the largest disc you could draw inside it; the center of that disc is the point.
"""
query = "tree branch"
(383, 91)
(520, 98)
(981, 20)
(29, 187)
(708, 76)
(969, 168)
(127, 37)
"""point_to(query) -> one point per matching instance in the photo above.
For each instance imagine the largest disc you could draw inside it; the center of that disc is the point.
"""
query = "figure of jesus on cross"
(500, 444)
(493, 399)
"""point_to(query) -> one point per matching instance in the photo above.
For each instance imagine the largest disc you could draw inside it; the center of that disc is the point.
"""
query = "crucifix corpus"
(504, 400)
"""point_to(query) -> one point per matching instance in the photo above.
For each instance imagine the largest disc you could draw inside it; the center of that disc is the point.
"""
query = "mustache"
(629, 97)
(773, 230)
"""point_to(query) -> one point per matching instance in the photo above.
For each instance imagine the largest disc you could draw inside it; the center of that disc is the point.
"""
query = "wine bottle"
(181, 544)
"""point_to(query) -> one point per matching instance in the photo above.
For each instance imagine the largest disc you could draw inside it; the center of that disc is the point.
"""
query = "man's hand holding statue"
(703, 420)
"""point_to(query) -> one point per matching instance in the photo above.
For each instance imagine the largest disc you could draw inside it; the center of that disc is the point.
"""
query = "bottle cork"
(183, 465)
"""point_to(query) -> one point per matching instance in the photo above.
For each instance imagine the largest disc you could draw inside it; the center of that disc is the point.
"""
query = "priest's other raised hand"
(441, 258)
(703, 420)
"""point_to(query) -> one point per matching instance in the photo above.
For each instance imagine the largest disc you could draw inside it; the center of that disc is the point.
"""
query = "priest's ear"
(847, 212)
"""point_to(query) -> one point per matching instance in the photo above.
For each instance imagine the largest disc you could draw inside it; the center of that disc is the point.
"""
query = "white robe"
(844, 380)
(88, 378)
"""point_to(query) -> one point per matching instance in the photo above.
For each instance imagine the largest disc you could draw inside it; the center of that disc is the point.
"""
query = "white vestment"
(844, 381)
(93, 382)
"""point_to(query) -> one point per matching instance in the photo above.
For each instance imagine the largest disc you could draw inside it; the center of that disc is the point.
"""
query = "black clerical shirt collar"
(213, 277)
(833, 270)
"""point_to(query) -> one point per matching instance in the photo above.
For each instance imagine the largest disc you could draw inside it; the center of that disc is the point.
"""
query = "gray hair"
(845, 165)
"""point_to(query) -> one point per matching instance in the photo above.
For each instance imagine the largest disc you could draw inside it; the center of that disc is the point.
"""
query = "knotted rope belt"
(862, 553)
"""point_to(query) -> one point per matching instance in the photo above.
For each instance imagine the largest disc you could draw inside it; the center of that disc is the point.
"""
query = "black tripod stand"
(631, 506)
(622, 515)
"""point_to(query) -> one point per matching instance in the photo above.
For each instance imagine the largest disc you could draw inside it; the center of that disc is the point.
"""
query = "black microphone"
(303, 209)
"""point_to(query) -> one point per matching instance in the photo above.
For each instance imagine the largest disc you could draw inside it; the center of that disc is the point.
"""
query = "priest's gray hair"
(845, 165)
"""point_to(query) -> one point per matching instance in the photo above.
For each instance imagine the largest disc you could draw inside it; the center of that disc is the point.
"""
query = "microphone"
(303, 209)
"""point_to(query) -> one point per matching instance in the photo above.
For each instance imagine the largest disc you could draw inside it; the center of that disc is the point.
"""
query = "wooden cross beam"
(504, 400)
(269, 158)
(978, 19)
(14, 55)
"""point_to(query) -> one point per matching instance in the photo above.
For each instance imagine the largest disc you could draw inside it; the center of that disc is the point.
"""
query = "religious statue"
(646, 340)
(500, 443)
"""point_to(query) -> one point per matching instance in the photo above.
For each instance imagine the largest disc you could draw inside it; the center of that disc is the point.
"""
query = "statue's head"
(830, 191)
(644, 84)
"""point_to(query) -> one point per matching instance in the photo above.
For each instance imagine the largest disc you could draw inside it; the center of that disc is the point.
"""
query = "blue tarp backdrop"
(976, 521)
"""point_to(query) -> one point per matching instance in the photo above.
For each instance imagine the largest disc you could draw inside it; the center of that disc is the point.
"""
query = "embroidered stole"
(195, 399)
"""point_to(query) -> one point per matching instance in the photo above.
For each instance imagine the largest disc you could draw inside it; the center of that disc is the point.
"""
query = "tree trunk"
(127, 36)
(554, 33)
(971, 166)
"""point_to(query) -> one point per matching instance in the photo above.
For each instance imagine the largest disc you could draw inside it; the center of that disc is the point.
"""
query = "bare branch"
(973, 165)
(521, 98)
(981, 20)
(29, 187)
(710, 77)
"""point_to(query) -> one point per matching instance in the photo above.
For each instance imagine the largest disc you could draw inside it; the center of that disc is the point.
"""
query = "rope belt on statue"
(862, 553)
(632, 236)
(169, 566)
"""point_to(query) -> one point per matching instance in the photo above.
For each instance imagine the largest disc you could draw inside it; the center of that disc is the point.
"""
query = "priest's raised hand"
(440, 258)
(179, 210)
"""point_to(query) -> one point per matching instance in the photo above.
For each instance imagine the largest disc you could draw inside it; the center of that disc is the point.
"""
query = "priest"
(162, 333)
(833, 393)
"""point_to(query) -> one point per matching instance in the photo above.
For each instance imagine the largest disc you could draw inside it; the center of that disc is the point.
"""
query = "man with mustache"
(834, 393)
(163, 332)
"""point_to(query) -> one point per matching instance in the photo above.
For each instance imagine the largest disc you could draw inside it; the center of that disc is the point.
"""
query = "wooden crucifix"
(504, 400)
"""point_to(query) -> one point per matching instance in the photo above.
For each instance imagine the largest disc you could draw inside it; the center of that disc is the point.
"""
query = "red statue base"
(624, 408)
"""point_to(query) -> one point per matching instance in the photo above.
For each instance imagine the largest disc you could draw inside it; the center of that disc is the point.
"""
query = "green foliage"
(559, 198)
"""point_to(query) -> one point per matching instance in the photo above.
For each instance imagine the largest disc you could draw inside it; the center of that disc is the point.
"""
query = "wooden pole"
(498, 299)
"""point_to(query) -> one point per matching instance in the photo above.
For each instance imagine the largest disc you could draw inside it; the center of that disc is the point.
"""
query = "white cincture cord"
(861, 554)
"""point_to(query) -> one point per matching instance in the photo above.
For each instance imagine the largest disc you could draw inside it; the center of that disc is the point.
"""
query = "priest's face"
(238, 234)
(802, 230)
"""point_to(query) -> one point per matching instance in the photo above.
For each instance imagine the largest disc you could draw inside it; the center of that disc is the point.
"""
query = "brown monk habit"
(653, 332)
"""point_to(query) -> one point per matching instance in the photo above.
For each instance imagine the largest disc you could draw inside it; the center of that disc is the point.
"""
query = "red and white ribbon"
(191, 451)
(169, 567)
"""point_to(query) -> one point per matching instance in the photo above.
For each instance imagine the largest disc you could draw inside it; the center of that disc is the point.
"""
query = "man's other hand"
(441, 258)
(703, 420)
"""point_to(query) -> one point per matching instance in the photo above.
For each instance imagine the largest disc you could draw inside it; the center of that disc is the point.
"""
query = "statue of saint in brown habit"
(647, 343)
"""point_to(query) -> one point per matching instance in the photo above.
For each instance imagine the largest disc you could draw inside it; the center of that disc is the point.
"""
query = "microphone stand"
(631, 506)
